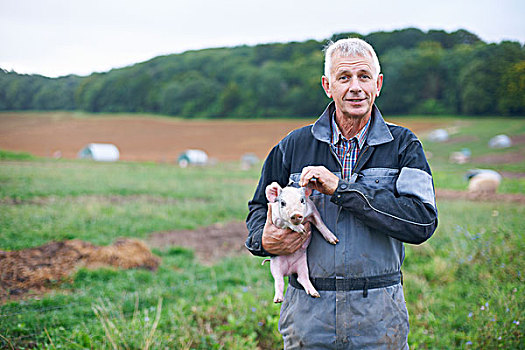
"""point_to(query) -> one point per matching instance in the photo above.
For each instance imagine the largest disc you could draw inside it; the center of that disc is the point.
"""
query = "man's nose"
(355, 87)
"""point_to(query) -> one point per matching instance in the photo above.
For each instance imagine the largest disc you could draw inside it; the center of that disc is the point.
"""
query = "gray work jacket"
(389, 200)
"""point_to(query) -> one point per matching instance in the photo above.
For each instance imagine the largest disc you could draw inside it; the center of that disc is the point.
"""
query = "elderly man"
(373, 187)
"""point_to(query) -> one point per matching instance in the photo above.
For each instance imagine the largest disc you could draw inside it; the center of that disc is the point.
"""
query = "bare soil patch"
(512, 175)
(210, 243)
(501, 158)
(462, 139)
(36, 270)
(518, 139)
(480, 197)
(141, 138)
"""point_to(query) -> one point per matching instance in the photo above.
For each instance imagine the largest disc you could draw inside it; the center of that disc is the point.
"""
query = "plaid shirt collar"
(338, 137)
(347, 150)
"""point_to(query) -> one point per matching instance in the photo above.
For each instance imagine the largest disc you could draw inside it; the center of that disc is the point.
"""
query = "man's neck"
(349, 127)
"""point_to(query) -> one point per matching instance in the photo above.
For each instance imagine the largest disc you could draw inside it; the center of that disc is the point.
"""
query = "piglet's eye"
(302, 201)
(283, 204)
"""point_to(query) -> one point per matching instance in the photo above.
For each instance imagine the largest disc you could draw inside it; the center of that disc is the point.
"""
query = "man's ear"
(379, 83)
(325, 82)
(273, 191)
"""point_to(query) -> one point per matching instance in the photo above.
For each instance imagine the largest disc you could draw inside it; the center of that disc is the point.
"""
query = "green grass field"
(464, 287)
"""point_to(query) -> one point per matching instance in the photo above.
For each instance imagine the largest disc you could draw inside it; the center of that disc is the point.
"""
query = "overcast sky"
(60, 37)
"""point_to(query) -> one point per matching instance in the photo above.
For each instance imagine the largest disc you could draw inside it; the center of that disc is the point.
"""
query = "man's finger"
(306, 176)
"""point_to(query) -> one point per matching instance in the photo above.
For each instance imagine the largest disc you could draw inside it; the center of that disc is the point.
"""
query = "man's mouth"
(355, 100)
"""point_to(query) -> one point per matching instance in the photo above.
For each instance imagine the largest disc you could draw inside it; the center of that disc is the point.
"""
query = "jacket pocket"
(377, 178)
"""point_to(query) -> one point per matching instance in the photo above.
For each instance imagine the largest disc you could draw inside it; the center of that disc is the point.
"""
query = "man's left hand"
(319, 178)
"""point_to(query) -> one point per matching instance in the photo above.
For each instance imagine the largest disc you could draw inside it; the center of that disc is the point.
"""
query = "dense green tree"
(229, 100)
(477, 95)
(482, 81)
(191, 95)
(513, 83)
(89, 92)
(432, 72)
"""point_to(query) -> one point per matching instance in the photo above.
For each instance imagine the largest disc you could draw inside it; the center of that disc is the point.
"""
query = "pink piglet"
(291, 207)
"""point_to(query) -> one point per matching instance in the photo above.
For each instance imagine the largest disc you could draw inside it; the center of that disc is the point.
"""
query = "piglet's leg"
(304, 279)
(315, 218)
(278, 277)
(299, 228)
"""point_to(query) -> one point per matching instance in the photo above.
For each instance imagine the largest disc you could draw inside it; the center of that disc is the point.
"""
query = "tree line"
(432, 73)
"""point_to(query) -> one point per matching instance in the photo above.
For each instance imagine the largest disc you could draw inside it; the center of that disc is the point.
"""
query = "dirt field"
(141, 138)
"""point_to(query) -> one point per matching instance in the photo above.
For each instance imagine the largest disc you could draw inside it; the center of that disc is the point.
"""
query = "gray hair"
(349, 47)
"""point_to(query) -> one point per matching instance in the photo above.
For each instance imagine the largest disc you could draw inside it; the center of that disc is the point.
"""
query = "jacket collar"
(378, 132)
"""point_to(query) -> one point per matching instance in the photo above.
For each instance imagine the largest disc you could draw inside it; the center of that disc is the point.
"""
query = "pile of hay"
(36, 269)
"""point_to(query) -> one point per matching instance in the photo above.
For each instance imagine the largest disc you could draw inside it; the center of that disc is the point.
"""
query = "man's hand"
(279, 241)
(319, 178)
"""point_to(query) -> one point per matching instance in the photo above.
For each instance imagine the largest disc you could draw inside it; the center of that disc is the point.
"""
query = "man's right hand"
(279, 241)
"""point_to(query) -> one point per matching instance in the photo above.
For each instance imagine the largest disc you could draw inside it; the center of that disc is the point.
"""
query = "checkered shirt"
(347, 150)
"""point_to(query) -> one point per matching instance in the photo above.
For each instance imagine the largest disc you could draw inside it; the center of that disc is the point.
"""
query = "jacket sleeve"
(273, 169)
(409, 212)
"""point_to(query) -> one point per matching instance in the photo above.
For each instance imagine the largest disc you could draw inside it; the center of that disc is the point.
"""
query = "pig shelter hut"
(192, 157)
(102, 152)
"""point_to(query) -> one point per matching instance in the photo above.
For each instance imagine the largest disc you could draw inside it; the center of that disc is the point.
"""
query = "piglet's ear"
(273, 191)
(307, 191)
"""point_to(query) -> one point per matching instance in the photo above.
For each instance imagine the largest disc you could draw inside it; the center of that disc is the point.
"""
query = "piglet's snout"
(296, 219)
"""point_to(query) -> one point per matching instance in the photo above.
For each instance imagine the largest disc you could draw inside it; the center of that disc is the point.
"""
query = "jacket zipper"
(337, 158)
(341, 172)
(361, 155)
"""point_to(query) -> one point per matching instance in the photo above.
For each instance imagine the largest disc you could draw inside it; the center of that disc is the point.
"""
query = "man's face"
(352, 86)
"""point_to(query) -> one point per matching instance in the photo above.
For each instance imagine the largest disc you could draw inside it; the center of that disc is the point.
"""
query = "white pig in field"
(291, 207)
(483, 181)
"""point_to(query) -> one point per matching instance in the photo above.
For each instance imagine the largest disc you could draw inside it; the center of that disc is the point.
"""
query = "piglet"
(483, 181)
(291, 207)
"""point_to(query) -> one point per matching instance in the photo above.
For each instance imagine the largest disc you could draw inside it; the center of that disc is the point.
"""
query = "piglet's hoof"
(277, 300)
(314, 293)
